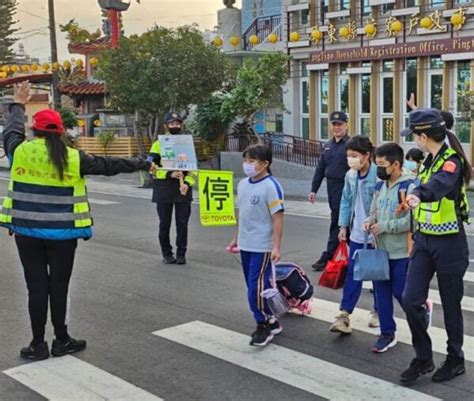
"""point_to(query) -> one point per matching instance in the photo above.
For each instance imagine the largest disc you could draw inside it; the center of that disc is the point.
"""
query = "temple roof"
(83, 88)
(92, 47)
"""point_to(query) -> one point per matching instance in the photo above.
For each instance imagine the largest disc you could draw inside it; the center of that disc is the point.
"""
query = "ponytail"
(57, 151)
(456, 145)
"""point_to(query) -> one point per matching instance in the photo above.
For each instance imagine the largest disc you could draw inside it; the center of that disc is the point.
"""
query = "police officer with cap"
(332, 166)
(47, 211)
(172, 190)
(440, 207)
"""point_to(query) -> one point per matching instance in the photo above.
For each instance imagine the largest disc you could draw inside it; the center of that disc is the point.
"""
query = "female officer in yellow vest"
(47, 210)
(172, 189)
(440, 245)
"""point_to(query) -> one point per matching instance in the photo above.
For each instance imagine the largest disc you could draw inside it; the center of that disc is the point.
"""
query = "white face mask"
(250, 170)
(354, 163)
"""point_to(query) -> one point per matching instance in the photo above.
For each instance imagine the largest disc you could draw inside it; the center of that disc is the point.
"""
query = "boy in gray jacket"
(390, 225)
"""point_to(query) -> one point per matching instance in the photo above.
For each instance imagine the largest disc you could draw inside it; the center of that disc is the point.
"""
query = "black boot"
(319, 265)
(451, 368)
(35, 352)
(69, 346)
(417, 368)
(169, 259)
(181, 260)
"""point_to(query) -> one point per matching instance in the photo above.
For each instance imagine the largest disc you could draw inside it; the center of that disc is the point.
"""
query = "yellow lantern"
(273, 38)
(5, 69)
(81, 123)
(316, 35)
(55, 66)
(369, 29)
(344, 31)
(79, 63)
(34, 67)
(457, 19)
(294, 37)
(426, 22)
(234, 41)
(94, 61)
(97, 123)
(218, 42)
(67, 65)
(15, 68)
(46, 67)
(396, 26)
(3, 75)
(25, 68)
(253, 40)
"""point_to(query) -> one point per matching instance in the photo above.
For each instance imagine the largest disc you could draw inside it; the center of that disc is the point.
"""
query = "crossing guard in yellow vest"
(47, 211)
(172, 190)
(440, 207)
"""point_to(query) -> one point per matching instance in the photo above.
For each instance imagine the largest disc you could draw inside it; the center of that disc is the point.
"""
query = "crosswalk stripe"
(71, 379)
(102, 202)
(326, 311)
(469, 276)
(287, 366)
(467, 303)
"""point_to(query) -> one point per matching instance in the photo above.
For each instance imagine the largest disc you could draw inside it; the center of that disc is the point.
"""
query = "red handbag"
(334, 274)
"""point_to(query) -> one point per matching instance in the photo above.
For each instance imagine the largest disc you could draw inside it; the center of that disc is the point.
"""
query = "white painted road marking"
(294, 368)
(102, 202)
(69, 378)
(326, 311)
(467, 303)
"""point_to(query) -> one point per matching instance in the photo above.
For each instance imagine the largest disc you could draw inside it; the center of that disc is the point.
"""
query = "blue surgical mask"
(250, 170)
(411, 165)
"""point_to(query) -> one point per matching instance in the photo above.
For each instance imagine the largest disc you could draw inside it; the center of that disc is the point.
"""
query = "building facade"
(366, 57)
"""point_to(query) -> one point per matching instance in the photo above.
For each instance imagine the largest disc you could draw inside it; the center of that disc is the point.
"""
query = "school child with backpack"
(260, 202)
(389, 223)
(359, 187)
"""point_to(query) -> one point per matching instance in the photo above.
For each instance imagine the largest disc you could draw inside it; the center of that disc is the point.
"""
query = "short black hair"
(393, 152)
(415, 154)
(360, 144)
(448, 118)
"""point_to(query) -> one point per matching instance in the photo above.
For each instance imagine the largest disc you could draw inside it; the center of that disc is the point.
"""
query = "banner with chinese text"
(216, 198)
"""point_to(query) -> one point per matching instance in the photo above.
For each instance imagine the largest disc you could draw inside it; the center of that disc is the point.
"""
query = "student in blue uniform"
(260, 201)
(332, 166)
(440, 207)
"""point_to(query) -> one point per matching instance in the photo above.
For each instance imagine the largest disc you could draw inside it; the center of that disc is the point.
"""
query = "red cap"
(49, 121)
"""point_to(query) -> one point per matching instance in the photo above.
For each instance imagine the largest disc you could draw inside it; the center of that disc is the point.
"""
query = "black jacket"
(14, 135)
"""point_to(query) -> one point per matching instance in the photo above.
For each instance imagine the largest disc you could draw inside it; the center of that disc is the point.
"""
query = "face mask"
(411, 165)
(250, 170)
(382, 173)
(174, 130)
(354, 163)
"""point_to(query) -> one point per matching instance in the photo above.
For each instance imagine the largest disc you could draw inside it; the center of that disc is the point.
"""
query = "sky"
(32, 19)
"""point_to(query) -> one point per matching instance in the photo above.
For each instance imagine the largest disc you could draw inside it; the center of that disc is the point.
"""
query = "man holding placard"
(172, 186)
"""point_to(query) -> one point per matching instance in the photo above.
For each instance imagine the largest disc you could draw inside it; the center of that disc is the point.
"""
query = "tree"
(161, 70)
(209, 122)
(7, 12)
(106, 138)
(258, 87)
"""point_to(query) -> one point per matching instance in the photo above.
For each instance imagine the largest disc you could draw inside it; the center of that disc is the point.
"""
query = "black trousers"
(447, 256)
(334, 197)
(165, 214)
(47, 266)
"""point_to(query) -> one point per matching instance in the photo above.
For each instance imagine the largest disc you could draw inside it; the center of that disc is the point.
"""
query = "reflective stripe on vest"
(438, 218)
(37, 198)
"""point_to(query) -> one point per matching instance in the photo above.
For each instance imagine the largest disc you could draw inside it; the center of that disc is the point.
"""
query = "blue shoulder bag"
(371, 264)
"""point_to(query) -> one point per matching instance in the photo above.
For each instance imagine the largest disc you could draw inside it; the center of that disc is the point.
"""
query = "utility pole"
(54, 53)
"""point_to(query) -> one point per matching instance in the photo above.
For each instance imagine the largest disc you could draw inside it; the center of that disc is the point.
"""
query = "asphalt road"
(122, 293)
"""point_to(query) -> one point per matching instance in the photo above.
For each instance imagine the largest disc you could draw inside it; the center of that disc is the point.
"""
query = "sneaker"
(428, 313)
(374, 320)
(384, 343)
(342, 324)
(319, 265)
(417, 368)
(70, 346)
(35, 352)
(451, 368)
(169, 259)
(275, 326)
(262, 336)
(180, 260)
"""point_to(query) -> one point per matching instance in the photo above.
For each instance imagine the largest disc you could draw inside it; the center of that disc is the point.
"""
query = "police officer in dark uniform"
(440, 208)
(172, 190)
(332, 166)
